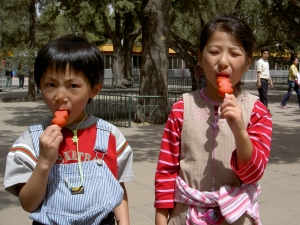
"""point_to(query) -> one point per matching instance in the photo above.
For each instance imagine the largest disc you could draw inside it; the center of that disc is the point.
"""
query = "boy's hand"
(232, 112)
(49, 145)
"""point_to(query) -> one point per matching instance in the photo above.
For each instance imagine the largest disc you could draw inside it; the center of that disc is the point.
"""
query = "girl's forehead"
(219, 34)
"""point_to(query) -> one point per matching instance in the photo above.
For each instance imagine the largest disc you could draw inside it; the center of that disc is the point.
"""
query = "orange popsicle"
(60, 118)
(224, 86)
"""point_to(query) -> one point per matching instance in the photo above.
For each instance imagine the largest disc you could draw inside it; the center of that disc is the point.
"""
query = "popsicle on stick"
(224, 86)
(60, 118)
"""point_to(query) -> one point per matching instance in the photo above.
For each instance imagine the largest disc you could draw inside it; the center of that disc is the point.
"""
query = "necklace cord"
(75, 139)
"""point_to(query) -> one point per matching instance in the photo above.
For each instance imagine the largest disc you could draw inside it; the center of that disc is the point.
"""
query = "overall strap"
(102, 135)
(36, 131)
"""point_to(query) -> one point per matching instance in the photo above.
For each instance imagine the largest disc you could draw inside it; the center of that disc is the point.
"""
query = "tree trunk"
(155, 58)
(31, 57)
(117, 64)
(129, 36)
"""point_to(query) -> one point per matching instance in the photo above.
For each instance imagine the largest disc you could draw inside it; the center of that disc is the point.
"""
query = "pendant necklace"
(76, 189)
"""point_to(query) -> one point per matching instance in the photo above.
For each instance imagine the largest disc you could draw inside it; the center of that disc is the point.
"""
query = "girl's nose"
(223, 62)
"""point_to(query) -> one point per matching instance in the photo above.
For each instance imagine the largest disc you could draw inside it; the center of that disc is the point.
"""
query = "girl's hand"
(232, 112)
(49, 145)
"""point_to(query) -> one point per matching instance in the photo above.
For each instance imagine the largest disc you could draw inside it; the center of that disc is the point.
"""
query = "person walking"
(21, 74)
(8, 74)
(293, 83)
(263, 76)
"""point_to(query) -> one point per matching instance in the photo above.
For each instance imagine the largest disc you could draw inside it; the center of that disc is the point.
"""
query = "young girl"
(214, 149)
(72, 173)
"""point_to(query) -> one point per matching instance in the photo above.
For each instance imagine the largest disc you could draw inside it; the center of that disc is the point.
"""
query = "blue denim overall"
(102, 192)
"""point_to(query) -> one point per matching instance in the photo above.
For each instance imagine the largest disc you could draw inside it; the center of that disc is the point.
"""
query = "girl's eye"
(235, 54)
(213, 52)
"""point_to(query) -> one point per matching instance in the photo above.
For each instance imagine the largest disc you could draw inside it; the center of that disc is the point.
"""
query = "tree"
(155, 55)
(31, 55)
(284, 22)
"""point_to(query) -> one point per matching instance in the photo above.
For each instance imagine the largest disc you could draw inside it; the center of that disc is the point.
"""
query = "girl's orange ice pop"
(224, 86)
(60, 118)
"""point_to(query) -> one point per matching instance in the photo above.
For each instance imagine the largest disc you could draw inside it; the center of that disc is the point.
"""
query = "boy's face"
(265, 55)
(67, 90)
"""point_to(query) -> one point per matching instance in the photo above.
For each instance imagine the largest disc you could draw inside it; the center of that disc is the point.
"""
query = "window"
(107, 62)
(175, 63)
(136, 62)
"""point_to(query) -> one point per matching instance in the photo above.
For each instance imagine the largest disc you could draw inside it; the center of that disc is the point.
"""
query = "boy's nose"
(61, 97)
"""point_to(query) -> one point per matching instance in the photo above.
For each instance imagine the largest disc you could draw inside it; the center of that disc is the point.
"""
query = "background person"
(21, 75)
(263, 76)
(293, 83)
(8, 74)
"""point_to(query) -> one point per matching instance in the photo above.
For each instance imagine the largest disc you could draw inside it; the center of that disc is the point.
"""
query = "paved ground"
(280, 198)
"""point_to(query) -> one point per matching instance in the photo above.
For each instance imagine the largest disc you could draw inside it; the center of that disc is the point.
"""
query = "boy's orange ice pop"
(60, 118)
(224, 86)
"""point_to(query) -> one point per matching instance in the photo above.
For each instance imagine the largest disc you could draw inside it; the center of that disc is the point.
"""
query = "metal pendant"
(77, 190)
(99, 162)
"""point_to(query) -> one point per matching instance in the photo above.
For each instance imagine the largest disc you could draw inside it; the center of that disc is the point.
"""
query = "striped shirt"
(259, 130)
(21, 159)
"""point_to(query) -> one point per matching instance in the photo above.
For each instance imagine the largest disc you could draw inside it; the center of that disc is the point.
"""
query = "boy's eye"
(50, 85)
(73, 85)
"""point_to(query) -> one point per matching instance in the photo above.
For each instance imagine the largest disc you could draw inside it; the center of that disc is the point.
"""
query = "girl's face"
(66, 90)
(222, 55)
(296, 61)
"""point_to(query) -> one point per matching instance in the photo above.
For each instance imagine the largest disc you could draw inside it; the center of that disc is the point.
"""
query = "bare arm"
(271, 82)
(122, 212)
(32, 193)
(161, 216)
(258, 79)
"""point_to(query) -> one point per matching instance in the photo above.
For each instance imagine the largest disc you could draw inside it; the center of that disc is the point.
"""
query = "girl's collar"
(204, 96)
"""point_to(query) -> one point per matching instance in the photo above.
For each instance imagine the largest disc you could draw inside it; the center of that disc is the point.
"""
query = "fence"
(184, 83)
(126, 109)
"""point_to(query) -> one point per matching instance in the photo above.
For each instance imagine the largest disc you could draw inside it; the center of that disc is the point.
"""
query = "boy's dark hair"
(232, 25)
(74, 51)
(264, 49)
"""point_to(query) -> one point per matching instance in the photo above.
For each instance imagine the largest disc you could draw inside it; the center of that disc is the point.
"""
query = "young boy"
(74, 174)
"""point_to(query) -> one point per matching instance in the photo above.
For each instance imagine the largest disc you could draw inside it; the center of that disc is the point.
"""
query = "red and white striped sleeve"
(168, 161)
(260, 133)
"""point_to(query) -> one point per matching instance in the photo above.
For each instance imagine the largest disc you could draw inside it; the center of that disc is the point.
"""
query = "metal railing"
(5, 83)
(126, 110)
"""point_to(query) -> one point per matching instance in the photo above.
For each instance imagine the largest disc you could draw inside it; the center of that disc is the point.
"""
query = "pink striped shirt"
(260, 133)
(232, 201)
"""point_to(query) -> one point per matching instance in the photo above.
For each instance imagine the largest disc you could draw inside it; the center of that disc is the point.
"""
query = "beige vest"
(197, 143)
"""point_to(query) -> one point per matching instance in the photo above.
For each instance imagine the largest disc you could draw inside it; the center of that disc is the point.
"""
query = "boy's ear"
(97, 88)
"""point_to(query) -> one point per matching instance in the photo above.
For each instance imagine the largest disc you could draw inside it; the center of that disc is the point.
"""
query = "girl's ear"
(249, 63)
(199, 58)
(97, 88)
